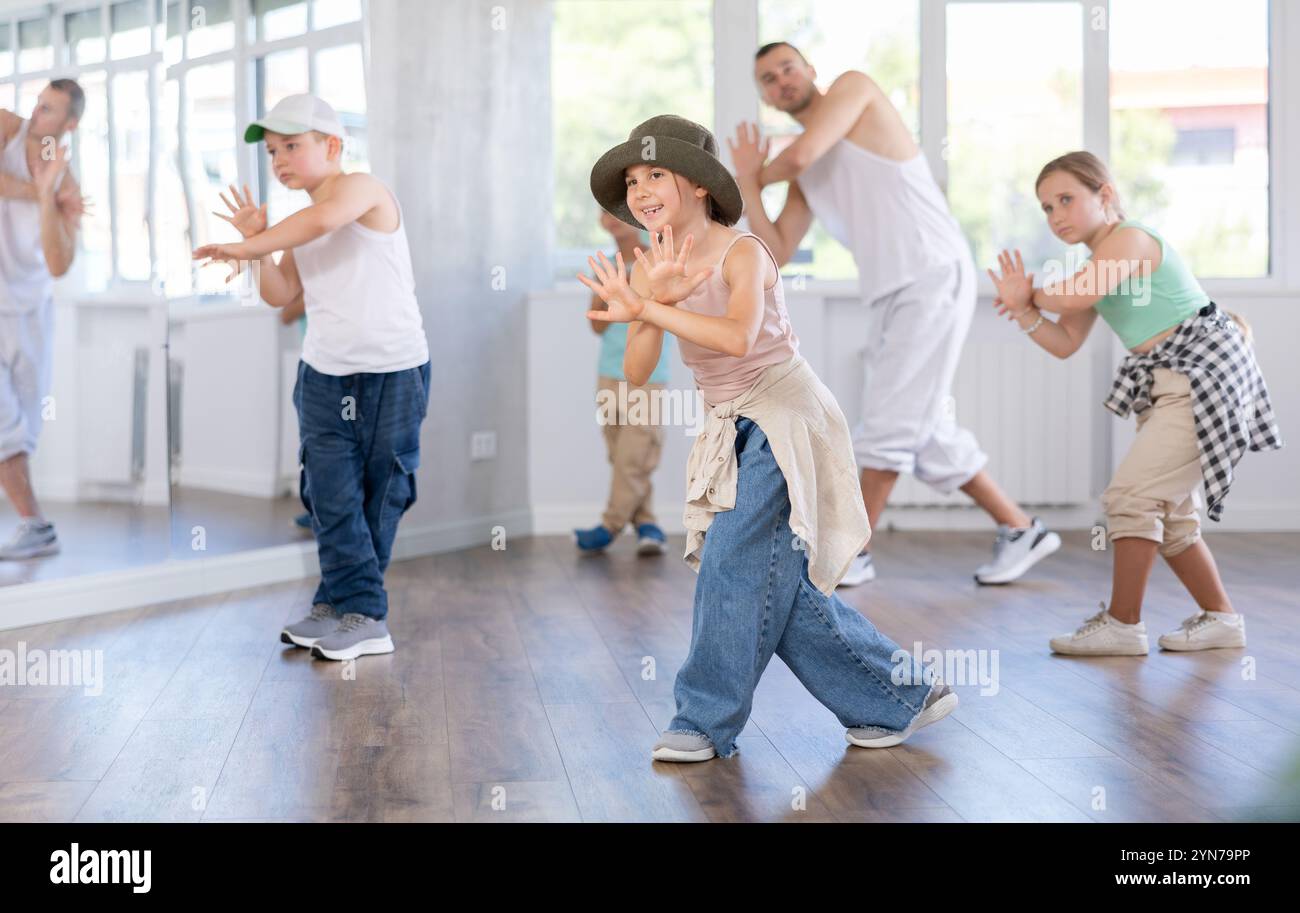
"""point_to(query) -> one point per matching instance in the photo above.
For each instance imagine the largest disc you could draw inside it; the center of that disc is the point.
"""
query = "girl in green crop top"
(1140, 286)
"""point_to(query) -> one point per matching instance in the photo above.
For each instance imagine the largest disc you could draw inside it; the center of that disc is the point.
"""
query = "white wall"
(460, 126)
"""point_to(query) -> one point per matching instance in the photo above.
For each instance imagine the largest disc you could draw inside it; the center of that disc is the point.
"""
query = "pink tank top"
(723, 377)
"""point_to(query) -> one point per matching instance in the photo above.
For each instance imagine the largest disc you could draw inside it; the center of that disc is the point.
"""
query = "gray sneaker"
(356, 635)
(322, 620)
(682, 746)
(940, 702)
(1015, 551)
(33, 539)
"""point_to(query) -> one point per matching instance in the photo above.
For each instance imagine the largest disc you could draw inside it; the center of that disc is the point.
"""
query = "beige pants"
(1154, 494)
(633, 446)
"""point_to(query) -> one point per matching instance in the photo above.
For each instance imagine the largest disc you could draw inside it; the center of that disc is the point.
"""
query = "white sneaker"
(684, 747)
(860, 571)
(1015, 551)
(32, 539)
(1102, 635)
(1206, 631)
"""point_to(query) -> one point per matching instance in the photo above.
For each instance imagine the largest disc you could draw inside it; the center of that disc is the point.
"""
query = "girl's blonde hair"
(1090, 171)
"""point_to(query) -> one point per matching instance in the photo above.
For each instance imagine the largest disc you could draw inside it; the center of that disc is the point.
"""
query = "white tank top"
(25, 281)
(890, 215)
(359, 294)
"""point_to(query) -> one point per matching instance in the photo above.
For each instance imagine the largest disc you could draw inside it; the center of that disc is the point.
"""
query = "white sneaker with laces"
(1103, 635)
(860, 571)
(1206, 631)
(1015, 551)
(32, 539)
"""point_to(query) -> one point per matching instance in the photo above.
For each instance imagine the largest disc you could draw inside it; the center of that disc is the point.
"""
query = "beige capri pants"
(1155, 491)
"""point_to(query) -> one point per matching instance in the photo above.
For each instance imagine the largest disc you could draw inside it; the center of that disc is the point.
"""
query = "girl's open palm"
(247, 217)
(611, 285)
(1015, 288)
(669, 282)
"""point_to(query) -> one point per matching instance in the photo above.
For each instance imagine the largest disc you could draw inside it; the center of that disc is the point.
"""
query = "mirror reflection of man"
(40, 211)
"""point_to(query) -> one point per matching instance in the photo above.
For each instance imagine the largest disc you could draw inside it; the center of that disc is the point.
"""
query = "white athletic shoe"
(682, 747)
(1206, 631)
(860, 571)
(32, 539)
(1015, 551)
(1102, 635)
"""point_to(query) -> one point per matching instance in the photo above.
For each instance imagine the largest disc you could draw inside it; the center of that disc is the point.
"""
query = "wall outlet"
(483, 445)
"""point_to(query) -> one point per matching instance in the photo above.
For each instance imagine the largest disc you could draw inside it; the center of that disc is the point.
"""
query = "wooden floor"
(529, 685)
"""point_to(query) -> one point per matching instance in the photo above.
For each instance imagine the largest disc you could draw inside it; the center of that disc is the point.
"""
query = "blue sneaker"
(650, 540)
(595, 539)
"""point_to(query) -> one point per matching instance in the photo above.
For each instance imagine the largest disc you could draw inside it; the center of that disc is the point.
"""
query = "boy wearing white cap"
(363, 380)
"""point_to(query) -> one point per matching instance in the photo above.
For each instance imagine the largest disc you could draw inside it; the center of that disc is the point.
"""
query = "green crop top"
(1155, 302)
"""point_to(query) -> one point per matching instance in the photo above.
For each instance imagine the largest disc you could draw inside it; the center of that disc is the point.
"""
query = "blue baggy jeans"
(359, 449)
(753, 598)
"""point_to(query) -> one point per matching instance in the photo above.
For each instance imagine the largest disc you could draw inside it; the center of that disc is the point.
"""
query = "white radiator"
(1032, 413)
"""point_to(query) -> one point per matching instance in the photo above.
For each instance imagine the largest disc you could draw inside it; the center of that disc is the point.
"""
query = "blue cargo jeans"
(359, 448)
(753, 598)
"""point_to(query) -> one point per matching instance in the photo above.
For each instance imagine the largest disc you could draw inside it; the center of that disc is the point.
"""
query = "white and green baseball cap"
(295, 114)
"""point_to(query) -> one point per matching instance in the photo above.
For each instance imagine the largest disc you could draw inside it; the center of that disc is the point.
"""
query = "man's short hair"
(773, 45)
(76, 96)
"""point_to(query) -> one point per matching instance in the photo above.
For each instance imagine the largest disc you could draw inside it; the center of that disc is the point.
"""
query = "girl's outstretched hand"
(1015, 288)
(611, 285)
(666, 271)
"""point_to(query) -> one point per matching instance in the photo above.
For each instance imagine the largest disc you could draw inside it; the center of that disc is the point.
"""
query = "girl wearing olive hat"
(771, 478)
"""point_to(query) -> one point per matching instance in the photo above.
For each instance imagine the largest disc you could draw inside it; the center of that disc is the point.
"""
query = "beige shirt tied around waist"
(810, 441)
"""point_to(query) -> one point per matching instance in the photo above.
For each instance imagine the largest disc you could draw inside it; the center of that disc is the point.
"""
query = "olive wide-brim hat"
(679, 145)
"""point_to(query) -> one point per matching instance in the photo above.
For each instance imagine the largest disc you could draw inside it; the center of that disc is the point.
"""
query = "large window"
(993, 89)
(1189, 126)
(1014, 103)
(614, 65)
(881, 39)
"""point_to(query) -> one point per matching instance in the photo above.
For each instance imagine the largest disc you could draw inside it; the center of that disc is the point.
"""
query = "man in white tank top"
(363, 380)
(857, 168)
(40, 211)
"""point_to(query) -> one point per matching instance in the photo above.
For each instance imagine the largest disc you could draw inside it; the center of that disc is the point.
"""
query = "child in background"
(633, 445)
(363, 380)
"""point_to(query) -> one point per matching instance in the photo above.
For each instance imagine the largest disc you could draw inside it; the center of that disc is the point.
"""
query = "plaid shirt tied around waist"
(1230, 402)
